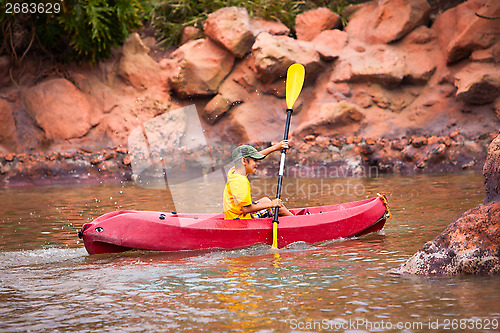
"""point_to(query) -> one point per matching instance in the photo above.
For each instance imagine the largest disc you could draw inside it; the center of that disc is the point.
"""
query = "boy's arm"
(280, 145)
(261, 205)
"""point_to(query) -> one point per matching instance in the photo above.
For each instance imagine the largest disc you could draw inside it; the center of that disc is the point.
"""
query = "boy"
(237, 201)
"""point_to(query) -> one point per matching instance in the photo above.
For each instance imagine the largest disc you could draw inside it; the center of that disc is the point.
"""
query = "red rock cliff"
(394, 89)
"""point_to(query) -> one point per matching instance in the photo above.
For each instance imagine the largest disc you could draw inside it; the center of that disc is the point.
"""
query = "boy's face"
(250, 164)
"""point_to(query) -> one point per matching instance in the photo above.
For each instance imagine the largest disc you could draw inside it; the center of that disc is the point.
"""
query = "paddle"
(294, 81)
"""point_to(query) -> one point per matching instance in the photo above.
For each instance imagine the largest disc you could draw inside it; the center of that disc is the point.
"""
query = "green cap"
(246, 151)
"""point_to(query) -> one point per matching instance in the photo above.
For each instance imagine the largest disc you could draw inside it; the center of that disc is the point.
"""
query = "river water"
(48, 282)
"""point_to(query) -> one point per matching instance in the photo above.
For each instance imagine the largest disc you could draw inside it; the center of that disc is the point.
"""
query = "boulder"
(245, 75)
(8, 135)
(258, 120)
(310, 24)
(136, 67)
(329, 119)
(384, 64)
(217, 107)
(387, 21)
(230, 94)
(59, 109)
(478, 83)
(106, 101)
(329, 43)
(114, 127)
(274, 54)
(491, 54)
(420, 36)
(198, 67)
(230, 28)
(491, 172)
(471, 244)
(190, 33)
(461, 31)
(272, 27)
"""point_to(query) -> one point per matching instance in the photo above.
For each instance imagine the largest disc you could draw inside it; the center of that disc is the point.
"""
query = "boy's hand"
(276, 203)
(284, 144)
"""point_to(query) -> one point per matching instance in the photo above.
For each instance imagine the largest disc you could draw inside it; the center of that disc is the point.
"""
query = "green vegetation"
(76, 29)
(96, 26)
(88, 30)
(169, 17)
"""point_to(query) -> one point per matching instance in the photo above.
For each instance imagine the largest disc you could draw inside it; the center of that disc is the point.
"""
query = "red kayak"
(126, 230)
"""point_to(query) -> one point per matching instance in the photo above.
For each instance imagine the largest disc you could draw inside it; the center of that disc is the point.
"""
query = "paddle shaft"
(282, 163)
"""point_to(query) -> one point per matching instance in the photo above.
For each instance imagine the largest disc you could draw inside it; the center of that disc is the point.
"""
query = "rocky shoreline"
(38, 169)
(336, 157)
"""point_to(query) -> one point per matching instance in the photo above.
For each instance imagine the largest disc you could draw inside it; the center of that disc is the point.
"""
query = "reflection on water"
(49, 283)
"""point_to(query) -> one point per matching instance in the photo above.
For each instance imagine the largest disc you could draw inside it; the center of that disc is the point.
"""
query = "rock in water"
(491, 172)
(471, 244)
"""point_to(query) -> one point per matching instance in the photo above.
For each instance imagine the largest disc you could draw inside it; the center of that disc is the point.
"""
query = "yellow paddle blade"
(294, 81)
(275, 235)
